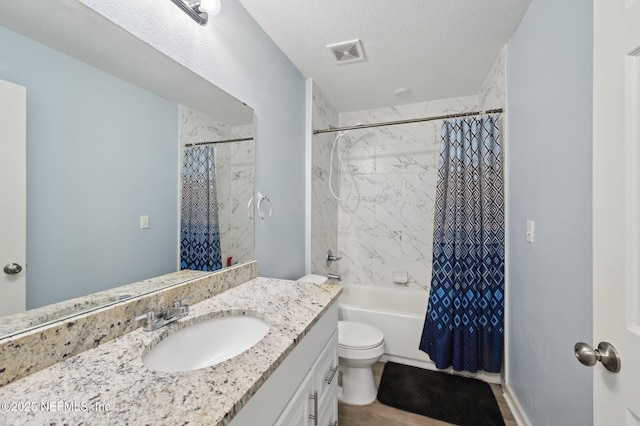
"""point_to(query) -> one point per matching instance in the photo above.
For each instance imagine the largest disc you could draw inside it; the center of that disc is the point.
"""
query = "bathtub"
(399, 312)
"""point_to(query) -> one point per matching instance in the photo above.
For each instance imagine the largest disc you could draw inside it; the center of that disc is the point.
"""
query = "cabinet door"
(300, 407)
(325, 374)
(325, 370)
(328, 415)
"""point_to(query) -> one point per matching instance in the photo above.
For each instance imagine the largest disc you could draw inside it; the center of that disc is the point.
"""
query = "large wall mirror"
(108, 119)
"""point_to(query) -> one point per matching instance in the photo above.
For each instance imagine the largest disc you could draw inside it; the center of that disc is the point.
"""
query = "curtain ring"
(261, 198)
(249, 209)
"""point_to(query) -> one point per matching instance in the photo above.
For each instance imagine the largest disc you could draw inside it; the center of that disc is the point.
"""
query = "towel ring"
(249, 209)
(261, 198)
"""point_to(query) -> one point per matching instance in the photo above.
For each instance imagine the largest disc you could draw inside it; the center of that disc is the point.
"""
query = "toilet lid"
(358, 335)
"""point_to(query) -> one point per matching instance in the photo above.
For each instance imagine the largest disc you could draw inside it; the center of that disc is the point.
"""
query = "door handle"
(605, 353)
(12, 268)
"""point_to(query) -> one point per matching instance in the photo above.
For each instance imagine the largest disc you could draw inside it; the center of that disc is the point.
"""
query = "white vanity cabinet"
(316, 400)
(287, 397)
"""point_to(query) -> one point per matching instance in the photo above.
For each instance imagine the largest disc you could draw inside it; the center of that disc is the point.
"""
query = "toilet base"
(358, 385)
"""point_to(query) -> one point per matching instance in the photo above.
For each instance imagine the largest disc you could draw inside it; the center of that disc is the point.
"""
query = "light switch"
(144, 222)
(530, 231)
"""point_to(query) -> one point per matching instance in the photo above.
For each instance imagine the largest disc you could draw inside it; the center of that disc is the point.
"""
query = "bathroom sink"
(206, 343)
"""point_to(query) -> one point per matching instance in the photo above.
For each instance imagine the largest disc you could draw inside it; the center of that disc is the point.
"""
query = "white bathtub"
(399, 312)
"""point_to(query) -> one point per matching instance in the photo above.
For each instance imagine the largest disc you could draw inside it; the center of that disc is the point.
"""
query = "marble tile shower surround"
(386, 222)
(238, 232)
(27, 353)
(492, 94)
(324, 208)
(235, 165)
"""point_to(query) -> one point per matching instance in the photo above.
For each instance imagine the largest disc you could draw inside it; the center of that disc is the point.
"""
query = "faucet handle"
(149, 316)
(181, 303)
(180, 308)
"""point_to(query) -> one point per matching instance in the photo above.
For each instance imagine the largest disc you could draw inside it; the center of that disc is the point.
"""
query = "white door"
(13, 191)
(616, 208)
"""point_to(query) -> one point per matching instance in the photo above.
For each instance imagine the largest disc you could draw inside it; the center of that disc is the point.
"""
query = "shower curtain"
(199, 228)
(464, 323)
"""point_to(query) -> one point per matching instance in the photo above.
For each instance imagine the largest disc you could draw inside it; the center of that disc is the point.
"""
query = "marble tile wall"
(235, 165)
(242, 182)
(324, 208)
(493, 91)
(385, 223)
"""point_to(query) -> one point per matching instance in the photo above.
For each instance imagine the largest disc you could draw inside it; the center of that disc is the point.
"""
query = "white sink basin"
(207, 343)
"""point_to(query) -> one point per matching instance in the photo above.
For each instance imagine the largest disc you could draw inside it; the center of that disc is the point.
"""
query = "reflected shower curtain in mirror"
(199, 227)
(464, 323)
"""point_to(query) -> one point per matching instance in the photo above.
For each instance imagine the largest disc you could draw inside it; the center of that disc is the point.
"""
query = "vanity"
(78, 359)
(288, 378)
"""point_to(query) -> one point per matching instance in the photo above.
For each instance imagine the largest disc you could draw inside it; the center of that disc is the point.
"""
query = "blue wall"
(235, 54)
(100, 153)
(549, 98)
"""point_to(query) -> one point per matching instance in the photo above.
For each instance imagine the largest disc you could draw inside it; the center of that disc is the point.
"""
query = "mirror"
(107, 120)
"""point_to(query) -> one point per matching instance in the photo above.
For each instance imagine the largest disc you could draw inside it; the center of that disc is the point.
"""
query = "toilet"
(360, 346)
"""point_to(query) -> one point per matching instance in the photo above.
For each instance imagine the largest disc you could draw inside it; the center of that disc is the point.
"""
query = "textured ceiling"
(436, 48)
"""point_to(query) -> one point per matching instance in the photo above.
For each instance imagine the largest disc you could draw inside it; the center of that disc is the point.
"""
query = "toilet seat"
(355, 335)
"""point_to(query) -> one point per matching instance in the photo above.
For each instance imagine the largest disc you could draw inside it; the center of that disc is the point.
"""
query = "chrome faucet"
(164, 317)
(334, 277)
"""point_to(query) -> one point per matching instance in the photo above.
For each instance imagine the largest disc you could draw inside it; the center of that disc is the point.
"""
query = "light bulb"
(212, 7)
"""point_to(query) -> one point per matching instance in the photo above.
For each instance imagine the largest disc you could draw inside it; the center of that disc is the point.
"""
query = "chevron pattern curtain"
(199, 227)
(464, 323)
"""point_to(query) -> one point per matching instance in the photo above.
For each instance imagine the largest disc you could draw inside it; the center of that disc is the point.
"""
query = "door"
(616, 207)
(13, 191)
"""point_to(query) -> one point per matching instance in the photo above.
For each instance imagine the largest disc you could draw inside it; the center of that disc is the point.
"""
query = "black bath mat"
(453, 399)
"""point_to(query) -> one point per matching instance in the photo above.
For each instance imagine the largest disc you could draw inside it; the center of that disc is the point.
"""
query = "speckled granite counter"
(113, 375)
(18, 323)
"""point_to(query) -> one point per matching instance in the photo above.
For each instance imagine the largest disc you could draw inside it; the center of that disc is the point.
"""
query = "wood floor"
(378, 414)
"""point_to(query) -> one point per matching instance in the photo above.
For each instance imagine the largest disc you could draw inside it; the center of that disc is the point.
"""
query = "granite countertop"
(17, 323)
(111, 385)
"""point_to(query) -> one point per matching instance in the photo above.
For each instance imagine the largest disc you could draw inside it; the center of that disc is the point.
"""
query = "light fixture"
(194, 8)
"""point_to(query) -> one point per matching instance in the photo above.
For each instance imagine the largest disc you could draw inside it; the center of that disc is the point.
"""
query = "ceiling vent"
(348, 51)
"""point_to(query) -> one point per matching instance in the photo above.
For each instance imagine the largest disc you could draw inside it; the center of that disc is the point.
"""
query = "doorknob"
(12, 268)
(605, 353)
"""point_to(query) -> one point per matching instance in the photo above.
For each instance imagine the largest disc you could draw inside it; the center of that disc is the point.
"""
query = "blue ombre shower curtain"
(199, 228)
(464, 323)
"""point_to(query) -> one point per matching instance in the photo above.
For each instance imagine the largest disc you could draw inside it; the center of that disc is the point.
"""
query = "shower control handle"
(332, 258)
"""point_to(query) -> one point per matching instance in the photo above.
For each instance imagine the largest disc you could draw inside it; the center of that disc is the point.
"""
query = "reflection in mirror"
(230, 240)
(104, 154)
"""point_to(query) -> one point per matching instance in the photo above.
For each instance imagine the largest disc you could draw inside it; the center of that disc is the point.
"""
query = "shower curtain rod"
(215, 142)
(411, 120)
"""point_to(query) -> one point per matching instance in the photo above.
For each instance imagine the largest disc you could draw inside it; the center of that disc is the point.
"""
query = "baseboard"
(514, 405)
(481, 375)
